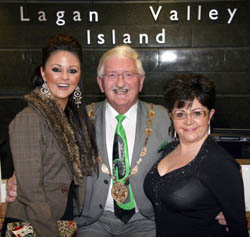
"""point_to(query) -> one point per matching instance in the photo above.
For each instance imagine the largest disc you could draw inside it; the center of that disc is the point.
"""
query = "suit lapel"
(141, 123)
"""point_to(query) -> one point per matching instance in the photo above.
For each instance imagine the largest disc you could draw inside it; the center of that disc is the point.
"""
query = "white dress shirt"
(129, 124)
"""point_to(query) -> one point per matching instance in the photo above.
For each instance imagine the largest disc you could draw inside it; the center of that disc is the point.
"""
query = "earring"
(175, 135)
(209, 130)
(45, 89)
(77, 96)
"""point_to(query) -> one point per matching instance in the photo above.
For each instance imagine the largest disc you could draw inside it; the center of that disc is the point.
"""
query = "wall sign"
(130, 23)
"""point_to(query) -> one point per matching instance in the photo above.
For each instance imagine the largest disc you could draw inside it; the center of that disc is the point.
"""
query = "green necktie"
(121, 170)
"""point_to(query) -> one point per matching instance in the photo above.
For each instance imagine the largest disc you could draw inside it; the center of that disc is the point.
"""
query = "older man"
(121, 78)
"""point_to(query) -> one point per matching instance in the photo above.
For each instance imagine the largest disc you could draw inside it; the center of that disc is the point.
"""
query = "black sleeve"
(221, 173)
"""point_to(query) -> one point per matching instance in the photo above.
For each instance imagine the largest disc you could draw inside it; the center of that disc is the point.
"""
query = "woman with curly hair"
(196, 178)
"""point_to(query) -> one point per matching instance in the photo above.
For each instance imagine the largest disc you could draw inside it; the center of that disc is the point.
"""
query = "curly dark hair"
(183, 89)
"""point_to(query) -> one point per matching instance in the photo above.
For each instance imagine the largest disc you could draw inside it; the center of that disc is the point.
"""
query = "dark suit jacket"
(97, 187)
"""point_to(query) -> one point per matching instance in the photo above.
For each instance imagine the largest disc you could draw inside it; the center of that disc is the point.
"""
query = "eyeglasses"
(125, 75)
(195, 114)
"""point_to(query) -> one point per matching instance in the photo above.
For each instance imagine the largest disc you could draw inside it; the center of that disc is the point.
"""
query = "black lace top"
(187, 200)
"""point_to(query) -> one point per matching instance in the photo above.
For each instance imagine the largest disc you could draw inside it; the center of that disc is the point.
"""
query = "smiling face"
(62, 73)
(121, 93)
(193, 128)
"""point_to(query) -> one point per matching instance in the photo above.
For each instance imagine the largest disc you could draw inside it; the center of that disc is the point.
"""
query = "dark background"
(214, 48)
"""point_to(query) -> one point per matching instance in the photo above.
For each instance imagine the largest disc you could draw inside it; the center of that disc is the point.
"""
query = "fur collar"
(60, 127)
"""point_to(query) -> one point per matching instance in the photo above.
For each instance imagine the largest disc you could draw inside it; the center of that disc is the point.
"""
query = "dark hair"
(85, 136)
(83, 128)
(58, 42)
(183, 89)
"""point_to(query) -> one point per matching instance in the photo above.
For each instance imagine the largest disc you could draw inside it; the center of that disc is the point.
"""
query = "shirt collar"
(130, 114)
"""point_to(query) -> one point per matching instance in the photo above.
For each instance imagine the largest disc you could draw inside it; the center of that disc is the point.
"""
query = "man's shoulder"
(95, 105)
(160, 120)
(156, 107)
(95, 109)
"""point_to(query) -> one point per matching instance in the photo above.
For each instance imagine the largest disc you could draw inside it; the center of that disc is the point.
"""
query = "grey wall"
(207, 43)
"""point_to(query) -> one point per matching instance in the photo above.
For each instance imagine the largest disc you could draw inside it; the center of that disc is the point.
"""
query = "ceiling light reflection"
(168, 57)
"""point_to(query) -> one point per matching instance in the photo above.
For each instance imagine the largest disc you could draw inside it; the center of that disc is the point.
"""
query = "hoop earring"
(77, 96)
(45, 89)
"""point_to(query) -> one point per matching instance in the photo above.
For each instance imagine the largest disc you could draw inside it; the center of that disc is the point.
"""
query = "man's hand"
(221, 219)
(11, 189)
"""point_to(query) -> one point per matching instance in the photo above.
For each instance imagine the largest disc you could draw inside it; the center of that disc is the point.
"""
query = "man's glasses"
(125, 75)
(195, 114)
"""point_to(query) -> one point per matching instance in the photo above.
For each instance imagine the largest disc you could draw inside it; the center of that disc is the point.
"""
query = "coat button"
(106, 181)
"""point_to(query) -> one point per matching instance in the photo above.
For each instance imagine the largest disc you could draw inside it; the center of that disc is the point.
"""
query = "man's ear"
(100, 84)
(141, 83)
